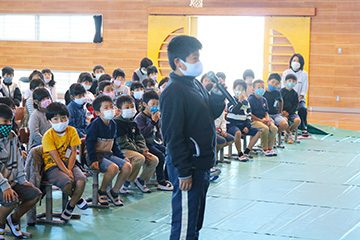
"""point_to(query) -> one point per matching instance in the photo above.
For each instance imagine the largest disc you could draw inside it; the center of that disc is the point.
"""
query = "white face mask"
(87, 87)
(80, 101)
(138, 95)
(192, 69)
(60, 127)
(128, 113)
(117, 83)
(110, 94)
(109, 114)
(98, 75)
(47, 80)
(295, 66)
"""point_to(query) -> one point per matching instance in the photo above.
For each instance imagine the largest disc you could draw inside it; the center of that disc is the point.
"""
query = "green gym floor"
(310, 191)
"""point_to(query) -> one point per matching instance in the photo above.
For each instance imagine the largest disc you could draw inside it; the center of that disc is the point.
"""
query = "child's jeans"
(268, 134)
(159, 151)
(137, 161)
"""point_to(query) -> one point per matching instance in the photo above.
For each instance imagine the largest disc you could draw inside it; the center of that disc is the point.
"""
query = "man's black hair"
(291, 76)
(145, 62)
(151, 69)
(85, 77)
(35, 83)
(76, 89)
(120, 101)
(39, 94)
(103, 84)
(149, 95)
(136, 85)
(240, 82)
(6, 112)
(56, 108)
(7, 70)
(98, 67)
(99, 100)
(275, 76)
(248, 73)
(118, 73)
(181, 47)
(301, 60)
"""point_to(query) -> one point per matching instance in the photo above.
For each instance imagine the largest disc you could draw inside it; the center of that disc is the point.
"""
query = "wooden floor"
(349, 121)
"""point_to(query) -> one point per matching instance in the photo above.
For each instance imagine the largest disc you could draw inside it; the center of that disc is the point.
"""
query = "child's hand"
(285, 114)
(264, 120)
(224, 134)
(24, 154)
(156, 116)
(10, 195)
(95, 165)
(185, 184)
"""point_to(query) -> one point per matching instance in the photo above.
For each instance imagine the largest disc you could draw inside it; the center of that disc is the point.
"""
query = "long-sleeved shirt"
(239, 114)
(188, 123)
(77, 118)
(148, 128)
(100, 140)
(129, 136)
(12, 91)
(291, 100)
(302, 84)
(38, 125)
(259, 106)
(11, 162)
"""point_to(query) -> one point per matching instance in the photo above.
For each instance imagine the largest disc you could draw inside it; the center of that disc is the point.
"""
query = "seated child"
(223, 138)
(291, 102)
(77, 110)
(38, 123)
(239, 123)
(275, 102)
(261, 118)
(59, 155)
(148, 121)
(133, 144)
(149, 84)
(249, 77)
(86, 80)
(137, 92)
(97, 72)
(10, 103)
(152, 73)
(29, 102)
(17, 196)
(9, 88)
(119, 83)
(106, 88)
(103, 153)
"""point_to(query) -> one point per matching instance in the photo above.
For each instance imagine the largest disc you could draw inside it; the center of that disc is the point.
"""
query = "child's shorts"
(292, 117)
(278, 119)
(220, 140)
(25, 193)
(233, 129)
(60, 179)
(108, 160)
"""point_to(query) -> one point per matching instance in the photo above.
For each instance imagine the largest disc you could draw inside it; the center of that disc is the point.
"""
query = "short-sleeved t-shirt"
(273, 98)
(259, 106)
(52, 141)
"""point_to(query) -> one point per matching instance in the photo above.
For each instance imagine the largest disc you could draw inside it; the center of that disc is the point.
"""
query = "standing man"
(188, 114)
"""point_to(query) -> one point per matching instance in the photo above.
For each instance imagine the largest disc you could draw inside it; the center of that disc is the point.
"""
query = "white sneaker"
(15, 228)
(243, 158)
(268, 153)
(165, 187)
(140, 184)
(274, 153)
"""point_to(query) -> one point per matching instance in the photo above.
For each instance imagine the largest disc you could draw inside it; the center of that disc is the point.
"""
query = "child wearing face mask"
(239, 121)
(59, 154)
(50, 83)
(133, 144)
(8, 88)
(261, 118)
(119, 83)
(148, 121)
(17, 196)
(104, 154)
(137, 92)
(291, 100)
(296, 67)
(141, 73)
(249, 77)
(77, 109)
(97, 72)
(152, 73)
(38, 124)
(106, 88)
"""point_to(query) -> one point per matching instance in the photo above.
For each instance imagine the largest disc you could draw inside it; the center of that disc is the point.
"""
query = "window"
(53, 28)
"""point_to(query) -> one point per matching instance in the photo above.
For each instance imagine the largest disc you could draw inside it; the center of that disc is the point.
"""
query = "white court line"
(352, 160)
(344, 139)
(323, 138)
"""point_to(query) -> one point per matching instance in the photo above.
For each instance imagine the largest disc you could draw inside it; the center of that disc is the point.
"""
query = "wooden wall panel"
(336, 25)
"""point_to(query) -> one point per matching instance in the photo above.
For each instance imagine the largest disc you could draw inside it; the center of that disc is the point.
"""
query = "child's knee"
(265, 130)
(139, 160)
(297, 121)
(238, 134)
(113, 169)
(127, 168)
(154, 161)
(283, 124)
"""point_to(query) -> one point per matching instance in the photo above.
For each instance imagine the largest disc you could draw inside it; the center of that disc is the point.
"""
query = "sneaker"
(115, 199)
(165, 186)
(248, 156)
(66, 214)
(290, 139)
(82, 204)
(243, 158)
(305, 133)
(2, 233)
(214, 171)
(15, 228)
(268, 153)
(274, 153)
(124, 190)
(103, 199)
(140, 184)
(213, 178)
